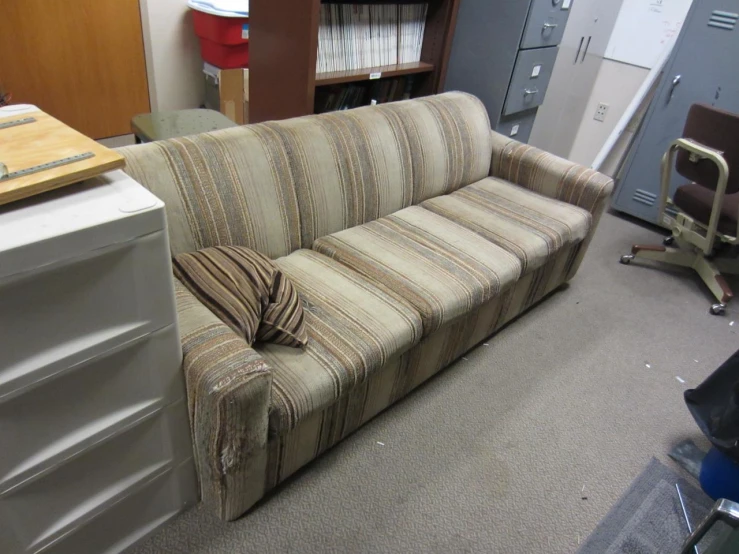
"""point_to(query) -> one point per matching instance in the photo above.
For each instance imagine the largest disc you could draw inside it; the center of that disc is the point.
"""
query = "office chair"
(705, 212)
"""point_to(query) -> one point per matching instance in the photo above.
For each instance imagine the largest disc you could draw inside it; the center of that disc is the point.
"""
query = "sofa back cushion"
(277, 186)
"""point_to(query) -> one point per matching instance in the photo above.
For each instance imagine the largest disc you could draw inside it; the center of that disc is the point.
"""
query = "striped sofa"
(411, 231)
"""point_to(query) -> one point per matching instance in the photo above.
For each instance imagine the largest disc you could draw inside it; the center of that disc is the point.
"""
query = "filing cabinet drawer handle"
(549, 26)
(530, 91)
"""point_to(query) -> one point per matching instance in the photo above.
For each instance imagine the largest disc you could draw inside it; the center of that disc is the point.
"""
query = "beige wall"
(616, 85)
(173, 63)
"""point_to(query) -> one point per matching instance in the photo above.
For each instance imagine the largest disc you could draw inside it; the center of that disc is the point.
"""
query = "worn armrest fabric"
(550, 175)
(228, 389)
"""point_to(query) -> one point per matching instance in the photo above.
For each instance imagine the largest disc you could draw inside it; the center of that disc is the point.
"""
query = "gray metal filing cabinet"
(503, 53)
(700, 69)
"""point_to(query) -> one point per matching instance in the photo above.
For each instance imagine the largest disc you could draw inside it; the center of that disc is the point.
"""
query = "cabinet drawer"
(517, 126)
(136, 517)
(530, 79)
(545, 25)
(43, 511)
(57, 316)
(65, 415)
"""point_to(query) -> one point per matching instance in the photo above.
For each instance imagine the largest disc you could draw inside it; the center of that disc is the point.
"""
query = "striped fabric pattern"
(524, 223)
(354, 329)
(443, 269)
(550, 175)
(359, 165)
(231, 187)
(247, 291)
(278, 186)
(314, 435)
(554, 177)
(228, 392)
(456, 122)
(391, 291)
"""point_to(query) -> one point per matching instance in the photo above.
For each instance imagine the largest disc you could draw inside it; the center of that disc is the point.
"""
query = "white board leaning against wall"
(644, 28)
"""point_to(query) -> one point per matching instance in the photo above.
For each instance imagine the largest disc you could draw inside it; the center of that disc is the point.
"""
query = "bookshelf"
(367, 73)
(283, 53)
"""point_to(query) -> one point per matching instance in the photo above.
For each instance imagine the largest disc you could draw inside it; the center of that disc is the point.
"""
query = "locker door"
(574, 74)
(701, 70)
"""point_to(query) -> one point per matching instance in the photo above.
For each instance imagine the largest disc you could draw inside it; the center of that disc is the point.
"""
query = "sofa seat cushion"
(530, 226)
(354, 328)
(443, 269)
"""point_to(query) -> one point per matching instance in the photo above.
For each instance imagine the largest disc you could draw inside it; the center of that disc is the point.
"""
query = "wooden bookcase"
(283, 48)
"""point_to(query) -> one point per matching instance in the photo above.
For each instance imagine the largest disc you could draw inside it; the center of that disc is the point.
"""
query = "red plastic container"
(224, 56)
(224, 41)
(223, 30)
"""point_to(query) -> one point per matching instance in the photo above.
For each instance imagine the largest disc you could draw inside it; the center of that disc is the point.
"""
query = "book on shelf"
(364, 93)
(357, 36)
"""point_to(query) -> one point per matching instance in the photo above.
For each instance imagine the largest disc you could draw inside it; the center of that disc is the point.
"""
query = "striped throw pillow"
(247, 291)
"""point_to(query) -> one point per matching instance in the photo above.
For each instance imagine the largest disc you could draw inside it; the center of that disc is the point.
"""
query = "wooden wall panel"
(441, 22)
(282, 58)
(80, 61)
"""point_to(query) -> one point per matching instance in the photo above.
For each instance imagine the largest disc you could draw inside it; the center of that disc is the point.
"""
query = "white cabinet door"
(588, 29)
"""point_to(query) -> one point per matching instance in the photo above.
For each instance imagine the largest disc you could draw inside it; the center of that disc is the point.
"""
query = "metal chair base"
(687, 255)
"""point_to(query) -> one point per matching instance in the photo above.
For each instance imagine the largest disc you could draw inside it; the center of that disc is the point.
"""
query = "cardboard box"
(227, 90)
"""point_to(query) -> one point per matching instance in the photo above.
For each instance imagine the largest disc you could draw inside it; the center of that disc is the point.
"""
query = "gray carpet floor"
(495, 453)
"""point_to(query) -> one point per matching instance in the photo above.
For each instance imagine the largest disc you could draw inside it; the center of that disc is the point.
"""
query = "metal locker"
(699, 70)
(545, 24)
(530, 79)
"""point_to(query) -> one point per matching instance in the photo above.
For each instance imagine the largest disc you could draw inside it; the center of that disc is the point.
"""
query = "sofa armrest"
(228, 390)
(550, 175)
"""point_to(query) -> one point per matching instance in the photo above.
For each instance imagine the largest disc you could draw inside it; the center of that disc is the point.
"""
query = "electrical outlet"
(600, 112)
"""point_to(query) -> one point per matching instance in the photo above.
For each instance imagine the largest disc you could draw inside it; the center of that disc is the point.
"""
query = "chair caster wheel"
(668, 240)
(626, 259)
(718, 309)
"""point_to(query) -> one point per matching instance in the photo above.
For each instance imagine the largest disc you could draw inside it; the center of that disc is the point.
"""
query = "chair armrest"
(228, 390)
(550, 175)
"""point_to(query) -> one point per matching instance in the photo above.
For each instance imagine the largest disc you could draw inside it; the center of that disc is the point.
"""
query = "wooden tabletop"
(46, 140)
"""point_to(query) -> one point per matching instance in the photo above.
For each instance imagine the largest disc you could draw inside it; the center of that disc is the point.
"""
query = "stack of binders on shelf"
(357, 36)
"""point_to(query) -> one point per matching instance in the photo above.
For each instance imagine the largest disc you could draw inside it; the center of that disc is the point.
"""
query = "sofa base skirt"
(288, 452)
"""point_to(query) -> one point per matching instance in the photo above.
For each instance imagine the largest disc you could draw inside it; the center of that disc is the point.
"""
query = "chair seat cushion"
(443, 269)
(697, 202)
(354, 328)
(530, 226)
